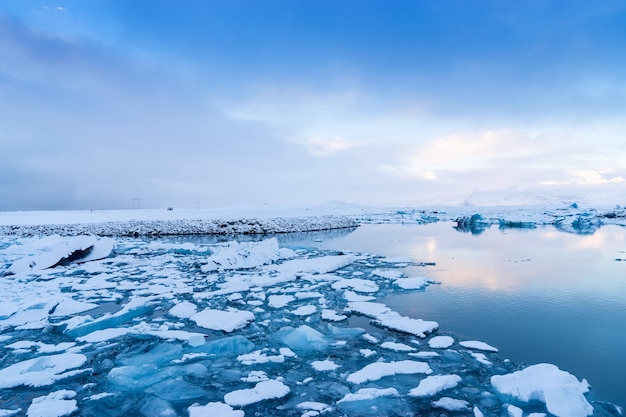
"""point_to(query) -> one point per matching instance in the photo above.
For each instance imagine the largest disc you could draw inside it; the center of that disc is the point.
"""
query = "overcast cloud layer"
(184, 103)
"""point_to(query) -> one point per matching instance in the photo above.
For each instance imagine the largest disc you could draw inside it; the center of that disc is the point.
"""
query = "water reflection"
(540, 295)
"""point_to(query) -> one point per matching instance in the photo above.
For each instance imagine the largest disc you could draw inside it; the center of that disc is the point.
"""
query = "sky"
(109, 104)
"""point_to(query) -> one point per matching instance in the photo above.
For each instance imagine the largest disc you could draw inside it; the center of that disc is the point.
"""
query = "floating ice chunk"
(356, 284)
(434, 384)
(264, 390)
(213, 410)
(451, 404)
(365, 394)
(305, 310)
(104, 335)
(41, 371)
(280, 300)
(9, 413)
(138, 378)
(234, 345)
(304, 338)
(387, 273)
(176, 390)
(154, 406)
(477, 412)
(513, 411)
(388, 318)
(225, 320)
(183, 310)
(441, 342)
(367, 352)
(474, 344)
(413, 283)
(480, 357)
(560, 391)
(377, 370)
(288, 353)
(242, 255)
(41, 347)
(351, 296)
(54, 250)
(398, 347)
(326, 365)
(255, 376)
(259, 357)
(315, 406)
(331, 315)
(321, 265)
(56, 404)
(69, 307)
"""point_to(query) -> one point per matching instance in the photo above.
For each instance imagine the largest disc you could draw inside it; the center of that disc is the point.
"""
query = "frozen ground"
(138, 326)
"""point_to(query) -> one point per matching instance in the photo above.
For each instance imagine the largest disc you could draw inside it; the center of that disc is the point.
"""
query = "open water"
(539, 295)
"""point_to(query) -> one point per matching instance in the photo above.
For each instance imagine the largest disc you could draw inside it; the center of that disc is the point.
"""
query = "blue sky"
(215, 103)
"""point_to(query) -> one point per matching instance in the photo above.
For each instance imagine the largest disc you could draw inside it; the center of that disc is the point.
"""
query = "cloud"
(327, 147)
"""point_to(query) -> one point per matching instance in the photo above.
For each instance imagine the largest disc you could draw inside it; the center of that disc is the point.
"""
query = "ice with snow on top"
(242, 255)
(183, 310)
(214, 409)
(560, 391)
(356, 284)
(513, 411)
(365, 394)
(391, 319)
(325, 365)
(434, 384)
(56, 404)
(398, 347)
(451, 404)
(264, 390)
(441, 342)
(475, 344)
(413, 283)
(280, 300)
(331, 315)
(41, 371)
(51, 251)
(314, 406)
(378, 370)
(225, 320)
(306, 310)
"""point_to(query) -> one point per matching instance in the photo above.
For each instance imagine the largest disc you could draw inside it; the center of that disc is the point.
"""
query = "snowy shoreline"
(272, 220)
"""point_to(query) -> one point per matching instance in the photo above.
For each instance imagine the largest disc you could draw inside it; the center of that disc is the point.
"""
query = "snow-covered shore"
(270, 220)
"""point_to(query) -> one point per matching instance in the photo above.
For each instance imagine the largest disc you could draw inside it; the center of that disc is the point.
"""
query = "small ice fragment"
(280, 300)
(474, 344)
(196, 340)
(286, 352)
(183, 310)
(242, 255)
(389, 274)
(477, 412)
(331, 315)
(480, 357)
(513, 411)
(304, 338)
(367, 352)
(305, 310)
(9, 413)
(441, 342)
(451, 404)
(314, 406)
(255, 376)
(370, 338)
(391, 319)
(414, 283)
(154, 406)
(225, 320)
(398, 347)
(433, 385)
(41, 371)
(56, 404)
(356, 284)
(368, 394)
(214, 409)
(264, 390)
(378, 370)
(326, 365)
(259, 357)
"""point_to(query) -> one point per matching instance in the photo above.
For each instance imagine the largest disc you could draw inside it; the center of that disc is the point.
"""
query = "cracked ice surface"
(176, 328)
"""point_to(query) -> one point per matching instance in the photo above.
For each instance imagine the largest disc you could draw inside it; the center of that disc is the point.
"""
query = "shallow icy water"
(539, 295)
(298, 325)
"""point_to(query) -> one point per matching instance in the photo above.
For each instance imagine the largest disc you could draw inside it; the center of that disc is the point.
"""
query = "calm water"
(538, 295)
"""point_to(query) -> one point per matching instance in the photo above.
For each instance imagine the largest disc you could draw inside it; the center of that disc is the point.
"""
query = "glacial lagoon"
(385, 319)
